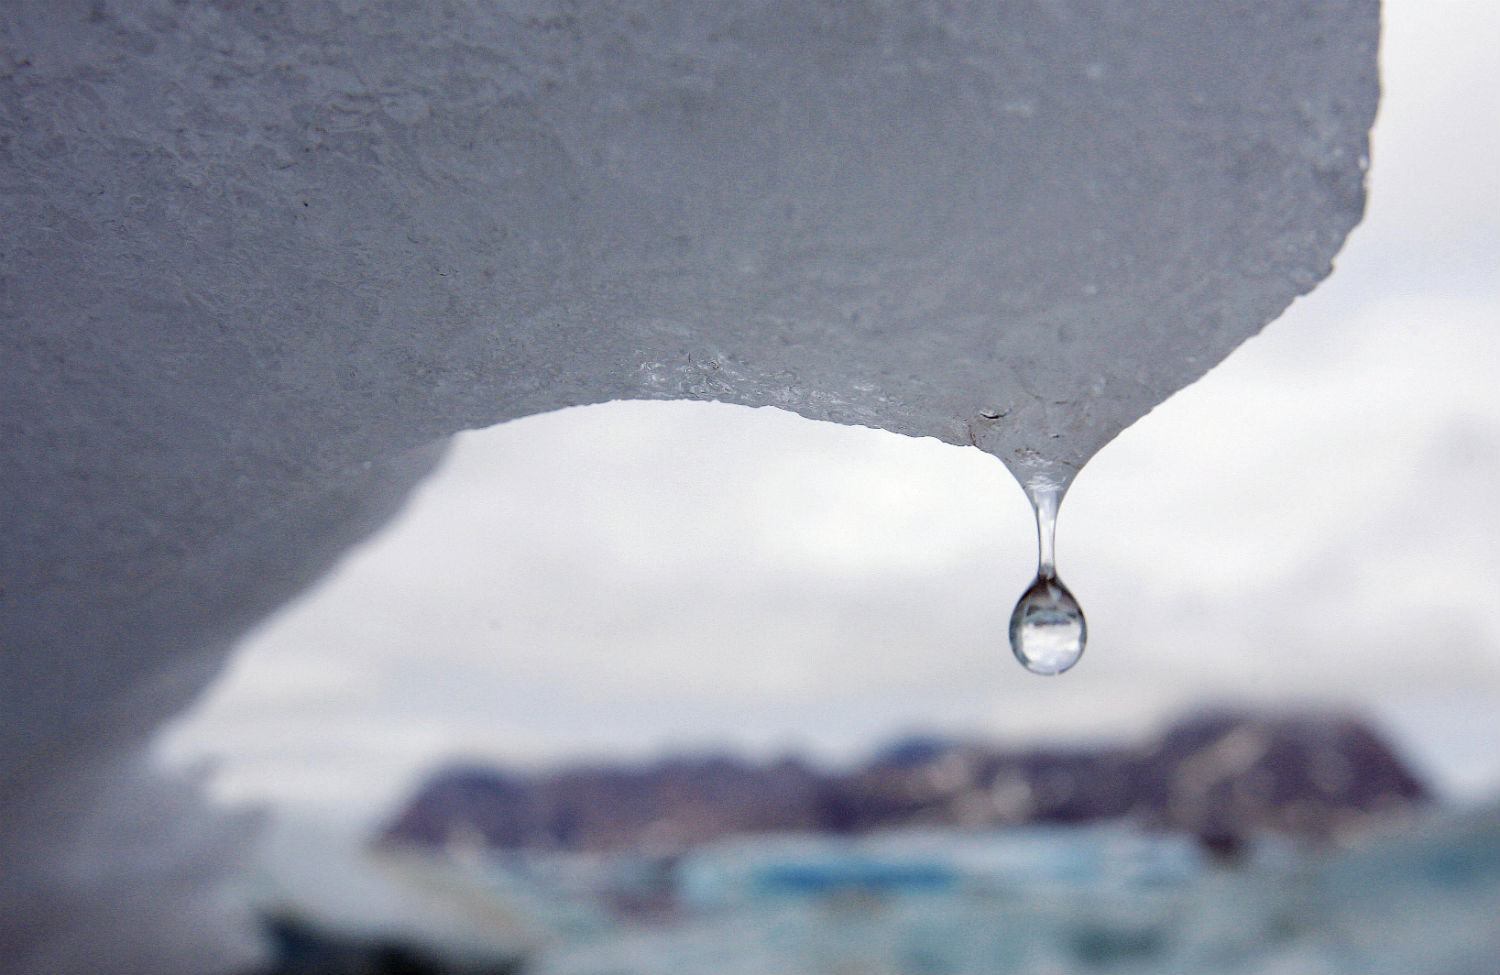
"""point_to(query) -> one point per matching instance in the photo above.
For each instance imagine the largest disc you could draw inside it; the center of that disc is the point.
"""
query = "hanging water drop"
(1047, 629)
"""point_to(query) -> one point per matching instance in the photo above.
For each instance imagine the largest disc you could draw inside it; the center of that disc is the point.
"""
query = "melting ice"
(1047, 628)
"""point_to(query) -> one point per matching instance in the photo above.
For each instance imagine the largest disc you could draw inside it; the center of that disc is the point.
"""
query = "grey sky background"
(1318, 520)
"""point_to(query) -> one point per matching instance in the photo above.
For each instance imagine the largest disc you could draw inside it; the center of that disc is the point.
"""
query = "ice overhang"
(258, 261)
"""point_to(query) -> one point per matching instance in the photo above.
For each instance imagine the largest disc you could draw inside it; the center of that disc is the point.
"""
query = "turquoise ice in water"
(1047, 629)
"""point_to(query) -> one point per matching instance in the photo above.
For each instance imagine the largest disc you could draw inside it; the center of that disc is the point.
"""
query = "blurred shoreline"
(1107, 897)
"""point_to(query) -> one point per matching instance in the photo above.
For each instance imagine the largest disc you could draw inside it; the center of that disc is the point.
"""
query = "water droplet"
(1047, 629)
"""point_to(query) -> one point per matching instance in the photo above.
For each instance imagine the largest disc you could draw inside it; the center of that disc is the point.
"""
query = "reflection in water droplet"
(1047, 629)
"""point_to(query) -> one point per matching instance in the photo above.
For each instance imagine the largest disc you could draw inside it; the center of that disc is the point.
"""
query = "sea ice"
(257, 261)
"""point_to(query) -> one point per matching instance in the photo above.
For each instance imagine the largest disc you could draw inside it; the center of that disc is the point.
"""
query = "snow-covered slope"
(258, 260)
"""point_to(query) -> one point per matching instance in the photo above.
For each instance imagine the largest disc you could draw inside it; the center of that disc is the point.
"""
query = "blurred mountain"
(1222, 776)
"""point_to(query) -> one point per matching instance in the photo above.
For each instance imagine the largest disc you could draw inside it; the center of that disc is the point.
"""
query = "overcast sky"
(1315, 521)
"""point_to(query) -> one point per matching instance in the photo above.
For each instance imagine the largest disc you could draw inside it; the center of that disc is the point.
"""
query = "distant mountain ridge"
(1221, 775)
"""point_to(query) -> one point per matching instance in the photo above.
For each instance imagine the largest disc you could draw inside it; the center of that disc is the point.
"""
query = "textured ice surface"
(258, 260)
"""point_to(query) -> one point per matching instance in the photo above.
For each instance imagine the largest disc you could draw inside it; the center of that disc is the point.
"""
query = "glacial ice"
(257, 261)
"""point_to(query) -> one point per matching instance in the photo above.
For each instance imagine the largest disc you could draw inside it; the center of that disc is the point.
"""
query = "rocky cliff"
(1221, 775)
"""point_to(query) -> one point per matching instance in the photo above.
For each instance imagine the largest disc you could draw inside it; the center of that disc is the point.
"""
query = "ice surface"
(257, 261)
